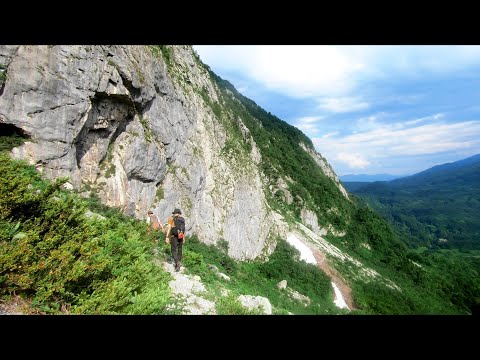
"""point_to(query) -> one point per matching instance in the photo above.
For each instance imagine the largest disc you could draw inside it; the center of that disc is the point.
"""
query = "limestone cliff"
(144, 127)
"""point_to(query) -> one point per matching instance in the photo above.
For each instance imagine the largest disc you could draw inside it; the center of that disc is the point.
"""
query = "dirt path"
(323, 264)
(189, 288)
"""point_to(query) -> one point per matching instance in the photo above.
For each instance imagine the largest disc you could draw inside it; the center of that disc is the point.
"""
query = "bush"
(52, 253)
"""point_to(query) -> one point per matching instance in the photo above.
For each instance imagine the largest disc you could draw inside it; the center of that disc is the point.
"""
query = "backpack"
(155, 222)
(178, 228)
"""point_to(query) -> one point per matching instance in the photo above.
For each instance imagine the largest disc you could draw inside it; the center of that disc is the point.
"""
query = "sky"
(368, 109)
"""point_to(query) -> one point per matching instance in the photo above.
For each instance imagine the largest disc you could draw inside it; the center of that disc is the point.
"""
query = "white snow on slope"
(339, 300)
(305, 253)
(331, 249)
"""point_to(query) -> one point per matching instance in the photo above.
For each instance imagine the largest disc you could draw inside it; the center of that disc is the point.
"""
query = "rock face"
(326, 168)
(137, 125)
(310, 219)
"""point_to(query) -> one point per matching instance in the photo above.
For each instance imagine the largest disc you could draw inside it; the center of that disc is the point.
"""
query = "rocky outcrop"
(310, 219)
(140, 126)
(217, 272)
(120, 122)
(189, 291)
(282, 284)
(326, 168)
(256, 303)
(295, 295)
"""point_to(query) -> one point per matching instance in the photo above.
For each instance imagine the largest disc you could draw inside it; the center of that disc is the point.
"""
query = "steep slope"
(149, 127)
(444, 173)
(152, 127)
(119, 124)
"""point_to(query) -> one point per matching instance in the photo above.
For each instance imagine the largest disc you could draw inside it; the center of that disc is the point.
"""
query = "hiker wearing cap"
(176, 236)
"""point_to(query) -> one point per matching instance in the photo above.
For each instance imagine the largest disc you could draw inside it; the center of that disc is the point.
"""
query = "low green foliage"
(110, 171)
(148, 133)
(67, 262)
(166, 52)
(230, 305)
(159, 194)
(3, 74)
(431, 282)
(7, 143)
(257, 278)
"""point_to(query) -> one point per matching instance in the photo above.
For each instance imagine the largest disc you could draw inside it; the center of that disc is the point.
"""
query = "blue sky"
(367, 109)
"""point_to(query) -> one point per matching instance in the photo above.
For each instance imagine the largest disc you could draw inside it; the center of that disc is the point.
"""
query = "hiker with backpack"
(154, 223)
(176, 236)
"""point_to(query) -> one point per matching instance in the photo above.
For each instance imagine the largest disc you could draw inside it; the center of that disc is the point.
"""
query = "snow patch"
(305, 253)
(339, 300)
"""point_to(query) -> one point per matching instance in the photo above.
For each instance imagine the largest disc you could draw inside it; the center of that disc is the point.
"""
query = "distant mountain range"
(368, 177)
(436, 207)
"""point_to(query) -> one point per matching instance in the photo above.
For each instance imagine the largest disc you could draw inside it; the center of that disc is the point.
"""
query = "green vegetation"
(425, 210)
(65, 262)
(257, 278)
(62, 260)
(431, 282)
(149, 136)
(7, 143)
(437, 208)
(230, 305)
(111, 171)
(165, 51)
(282, 155)
(3, 74)
(160, 194)
(425, 288)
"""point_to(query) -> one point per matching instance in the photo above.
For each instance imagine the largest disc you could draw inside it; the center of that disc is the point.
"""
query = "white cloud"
(426, 118)
(387, 141)
(296, 71)
(309, 119)
(330, 134)
(336, 71)
(307, 127)
(308, 124)
(352, 160)
(242, 89)
(344, 104)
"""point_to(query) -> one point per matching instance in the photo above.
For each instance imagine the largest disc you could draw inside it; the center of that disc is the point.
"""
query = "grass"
(260, 279)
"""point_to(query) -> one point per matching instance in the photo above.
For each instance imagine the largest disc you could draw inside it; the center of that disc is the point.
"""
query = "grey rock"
(218, 273)
(282, 284)
(213, 268)
(256, 302)
(223, 276)
(299, 297)
(89, 214)
(120, 123)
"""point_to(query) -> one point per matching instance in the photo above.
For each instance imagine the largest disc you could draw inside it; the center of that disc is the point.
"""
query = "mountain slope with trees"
(67, 253)
(437, 207)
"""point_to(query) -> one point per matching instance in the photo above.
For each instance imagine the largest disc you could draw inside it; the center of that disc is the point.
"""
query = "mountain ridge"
(368, 177)
(152, 127)
(448, 191)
